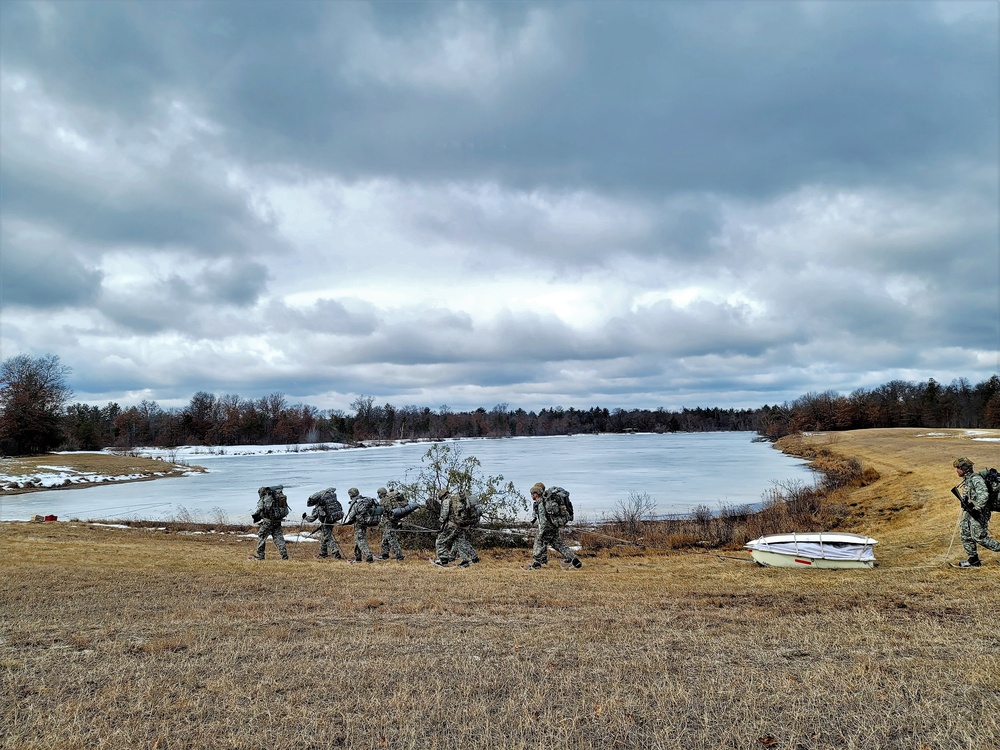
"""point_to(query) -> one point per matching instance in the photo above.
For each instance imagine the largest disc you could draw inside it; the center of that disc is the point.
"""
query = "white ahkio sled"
(822, 549)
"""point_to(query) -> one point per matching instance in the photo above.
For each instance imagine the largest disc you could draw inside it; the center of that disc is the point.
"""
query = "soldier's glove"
(303, 516)
(256, 517)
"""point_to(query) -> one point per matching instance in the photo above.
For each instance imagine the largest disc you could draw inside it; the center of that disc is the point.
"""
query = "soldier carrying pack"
(274, 504)
(363, 511)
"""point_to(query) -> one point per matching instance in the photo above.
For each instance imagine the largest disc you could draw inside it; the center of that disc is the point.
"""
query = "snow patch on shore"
(62, 476)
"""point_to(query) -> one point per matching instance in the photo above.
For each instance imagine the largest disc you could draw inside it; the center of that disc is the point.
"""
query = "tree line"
(232, 420)
(36, 416)
(897, 403)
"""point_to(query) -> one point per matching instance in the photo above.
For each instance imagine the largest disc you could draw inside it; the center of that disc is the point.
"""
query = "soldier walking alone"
(973, 494)
(550, 514)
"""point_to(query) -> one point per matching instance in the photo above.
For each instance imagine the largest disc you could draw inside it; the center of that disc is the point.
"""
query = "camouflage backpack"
(327, 500)
(465, 511)
(397, 506)
(368, 512)
(275, 502)
(394, 501)
(992, 479)
(558, 505)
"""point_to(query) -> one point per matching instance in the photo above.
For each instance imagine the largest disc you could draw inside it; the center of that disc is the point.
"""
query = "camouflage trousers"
(976, 533)
(269, 528)
(452, 543)
(549, 536)
(390, 540)
(361, 549)
(327, 542)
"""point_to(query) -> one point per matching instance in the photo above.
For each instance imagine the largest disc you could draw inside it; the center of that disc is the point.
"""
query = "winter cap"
(963, 463)
(537, 488)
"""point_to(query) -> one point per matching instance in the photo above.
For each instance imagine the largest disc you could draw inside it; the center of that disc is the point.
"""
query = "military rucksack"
(333, 511)
(992, 479)
(393, 501)
(275, 503)
(397, 507)
(558, 505)
(364, 511)
(465, 511)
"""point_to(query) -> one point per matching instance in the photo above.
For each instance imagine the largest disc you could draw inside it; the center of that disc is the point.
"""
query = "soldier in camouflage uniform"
(326, 510)
(390, 529)
(272, 506)
(548, 533)
(453, 539)
(975, 523)
(359, 514)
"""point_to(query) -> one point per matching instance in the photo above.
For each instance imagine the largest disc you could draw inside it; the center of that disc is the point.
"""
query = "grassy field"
(122, 638)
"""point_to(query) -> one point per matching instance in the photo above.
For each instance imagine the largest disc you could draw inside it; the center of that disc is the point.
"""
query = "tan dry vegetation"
(105, 464)
(117, 638)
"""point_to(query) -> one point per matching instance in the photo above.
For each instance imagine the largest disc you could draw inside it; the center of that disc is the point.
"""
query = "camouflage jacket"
(974, 492)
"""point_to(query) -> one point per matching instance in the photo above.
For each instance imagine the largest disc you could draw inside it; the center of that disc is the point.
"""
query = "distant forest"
(232, 420)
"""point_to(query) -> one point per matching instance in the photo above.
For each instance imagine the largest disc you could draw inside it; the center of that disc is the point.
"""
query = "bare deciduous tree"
(629, 515)
(33, 392)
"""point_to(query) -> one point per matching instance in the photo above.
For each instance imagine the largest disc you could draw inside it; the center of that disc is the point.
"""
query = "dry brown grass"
(114, 638)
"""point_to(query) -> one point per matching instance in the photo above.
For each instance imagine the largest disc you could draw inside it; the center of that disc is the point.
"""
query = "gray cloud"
(39, 268)
(632, 204)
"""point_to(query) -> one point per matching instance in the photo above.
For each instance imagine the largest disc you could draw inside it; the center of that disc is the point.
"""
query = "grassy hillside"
(113, 638)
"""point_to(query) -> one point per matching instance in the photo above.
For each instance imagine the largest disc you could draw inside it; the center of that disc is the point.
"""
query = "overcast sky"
(617, 204)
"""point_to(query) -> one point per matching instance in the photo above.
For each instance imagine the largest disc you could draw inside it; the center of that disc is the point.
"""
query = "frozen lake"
(679, 471)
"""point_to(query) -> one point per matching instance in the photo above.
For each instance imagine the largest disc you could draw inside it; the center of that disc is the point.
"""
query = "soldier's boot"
(338, 555)
(972, 562)
(577, 563)
(535, 566)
